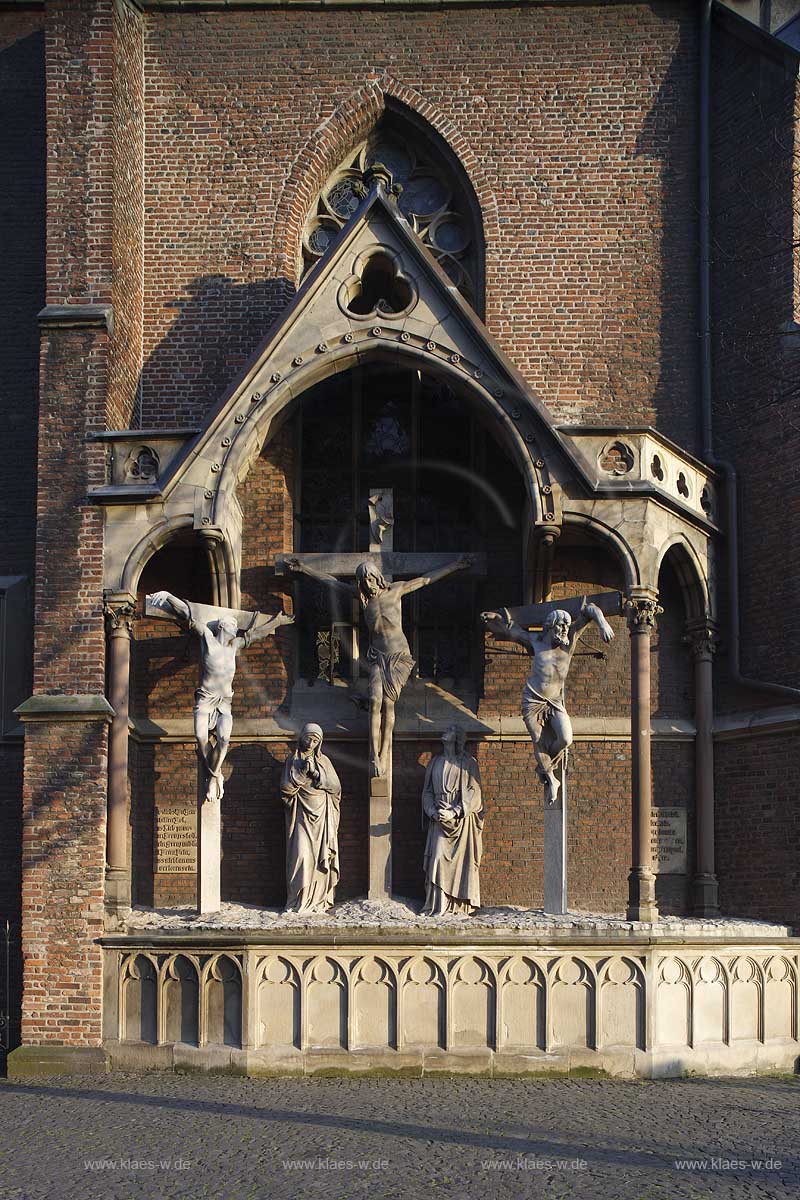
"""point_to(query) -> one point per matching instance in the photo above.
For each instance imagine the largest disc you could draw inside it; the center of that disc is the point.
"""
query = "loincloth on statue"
(539, 708)
(395, 670)
(211, 705)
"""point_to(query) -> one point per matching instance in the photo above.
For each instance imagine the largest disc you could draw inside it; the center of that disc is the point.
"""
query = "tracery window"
(454, 491)
(434, 200)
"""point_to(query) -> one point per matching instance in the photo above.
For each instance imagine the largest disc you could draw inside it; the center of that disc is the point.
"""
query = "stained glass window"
(433, 200)
(455, 491)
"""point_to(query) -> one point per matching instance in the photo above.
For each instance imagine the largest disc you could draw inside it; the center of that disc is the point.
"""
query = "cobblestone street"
(163, 1136)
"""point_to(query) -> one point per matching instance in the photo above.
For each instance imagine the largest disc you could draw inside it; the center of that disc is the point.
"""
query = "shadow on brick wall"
(215, 329)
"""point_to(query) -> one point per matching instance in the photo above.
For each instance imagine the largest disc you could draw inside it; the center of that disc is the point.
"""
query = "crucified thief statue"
(389, 655)
(551, 652)
(220, 641)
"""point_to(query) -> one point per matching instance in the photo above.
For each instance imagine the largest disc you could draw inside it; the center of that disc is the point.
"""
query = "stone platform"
(397, 913)
(375, 987)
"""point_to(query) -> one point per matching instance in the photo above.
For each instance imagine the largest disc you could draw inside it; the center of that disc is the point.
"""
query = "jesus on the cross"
(389, 655)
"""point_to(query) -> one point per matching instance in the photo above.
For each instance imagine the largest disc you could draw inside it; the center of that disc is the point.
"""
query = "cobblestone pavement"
(164, 1136)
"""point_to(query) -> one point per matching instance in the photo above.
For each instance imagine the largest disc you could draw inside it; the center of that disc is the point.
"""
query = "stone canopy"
(378, 294)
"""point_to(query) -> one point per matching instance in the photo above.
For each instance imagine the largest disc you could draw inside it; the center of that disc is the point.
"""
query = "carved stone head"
(310, 738)
(454, 739)
(369, 580)
(228, 630)
(558, 623)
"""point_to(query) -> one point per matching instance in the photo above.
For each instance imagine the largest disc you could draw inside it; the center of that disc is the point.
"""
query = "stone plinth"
(376, 987)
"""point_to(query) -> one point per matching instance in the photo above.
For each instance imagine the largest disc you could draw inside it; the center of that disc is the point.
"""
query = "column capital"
(641, 608)
(701, 638)
(119, 610)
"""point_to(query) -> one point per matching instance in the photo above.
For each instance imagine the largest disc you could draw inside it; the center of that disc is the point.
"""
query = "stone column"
(701, 636)
(642, 609)
(119, 612)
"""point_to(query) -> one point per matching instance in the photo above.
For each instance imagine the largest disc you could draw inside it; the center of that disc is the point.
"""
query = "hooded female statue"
(311, 792)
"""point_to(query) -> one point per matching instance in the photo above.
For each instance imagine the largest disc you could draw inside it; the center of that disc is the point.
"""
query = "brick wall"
(579, 122)
(128, 213)
(22, 184)
(22, 178)
(756, 428)
(754, 202)
(63, 859)
(576, 125)
(65, 769)
(758, 827)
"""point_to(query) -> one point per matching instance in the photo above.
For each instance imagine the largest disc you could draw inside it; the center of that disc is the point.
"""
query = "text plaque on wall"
(175, 841)
(668, 841)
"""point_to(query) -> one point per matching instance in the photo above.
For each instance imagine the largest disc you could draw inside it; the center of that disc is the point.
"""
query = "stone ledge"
(487, 728)
(27, 1061)
(76, 316)
(58, 708)
(622, 1062)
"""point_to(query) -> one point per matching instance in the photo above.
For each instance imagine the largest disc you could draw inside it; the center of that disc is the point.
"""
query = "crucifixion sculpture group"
(310, 788)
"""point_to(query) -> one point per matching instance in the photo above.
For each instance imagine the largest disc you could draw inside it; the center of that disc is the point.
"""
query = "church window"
(454, 492)
(435, 199)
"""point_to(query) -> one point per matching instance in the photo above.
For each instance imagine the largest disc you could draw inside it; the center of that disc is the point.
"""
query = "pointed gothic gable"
(377, 294)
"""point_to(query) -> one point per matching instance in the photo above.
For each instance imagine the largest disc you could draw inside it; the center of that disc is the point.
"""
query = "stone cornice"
(56, 709)
(381, 936)
(77, 316)
(480, 729)
(223, 5)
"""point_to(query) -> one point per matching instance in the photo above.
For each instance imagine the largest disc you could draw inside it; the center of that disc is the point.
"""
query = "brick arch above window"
(432, 194)
(343, 130)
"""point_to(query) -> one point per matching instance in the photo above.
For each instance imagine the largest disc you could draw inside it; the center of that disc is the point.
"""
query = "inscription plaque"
(175, 841)
(668, 841)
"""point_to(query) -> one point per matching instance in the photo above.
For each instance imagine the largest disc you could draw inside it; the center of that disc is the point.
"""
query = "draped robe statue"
(453, 806)
(311, 793)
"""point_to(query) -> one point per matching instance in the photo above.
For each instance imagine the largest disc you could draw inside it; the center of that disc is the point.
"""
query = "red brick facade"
(181, 152)
(756, 356)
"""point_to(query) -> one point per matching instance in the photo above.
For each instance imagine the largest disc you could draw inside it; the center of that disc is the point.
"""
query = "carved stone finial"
(641, 612)
(378, 173)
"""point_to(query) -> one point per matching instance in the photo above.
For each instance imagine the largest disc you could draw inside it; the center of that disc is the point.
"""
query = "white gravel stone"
(398, 913)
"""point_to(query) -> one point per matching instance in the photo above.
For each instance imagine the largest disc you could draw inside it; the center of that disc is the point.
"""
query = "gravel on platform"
(398, 913)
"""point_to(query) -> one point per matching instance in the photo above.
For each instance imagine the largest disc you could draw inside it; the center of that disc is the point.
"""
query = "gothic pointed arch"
(446, 197)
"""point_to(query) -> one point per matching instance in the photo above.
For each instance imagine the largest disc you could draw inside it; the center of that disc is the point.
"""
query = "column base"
(642, 896)
(705, 896)
(118, 894)
(26, 1061)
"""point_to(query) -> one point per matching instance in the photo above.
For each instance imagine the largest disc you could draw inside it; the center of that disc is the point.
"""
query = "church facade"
(292, 282)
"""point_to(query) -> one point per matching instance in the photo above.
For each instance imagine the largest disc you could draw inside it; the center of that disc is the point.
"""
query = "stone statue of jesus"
(551, 652)
(220, 641)
(389, 655)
